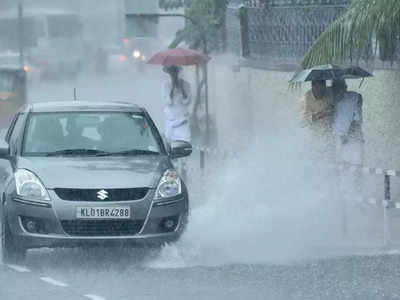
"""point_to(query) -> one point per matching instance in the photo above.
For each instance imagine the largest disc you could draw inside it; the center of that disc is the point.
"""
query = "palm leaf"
(350, 36)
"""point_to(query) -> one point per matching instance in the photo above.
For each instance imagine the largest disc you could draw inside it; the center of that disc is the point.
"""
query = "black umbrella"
(329, 72)
(355, 72)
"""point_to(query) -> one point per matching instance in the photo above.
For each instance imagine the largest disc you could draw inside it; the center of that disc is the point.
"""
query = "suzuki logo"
(102, 194)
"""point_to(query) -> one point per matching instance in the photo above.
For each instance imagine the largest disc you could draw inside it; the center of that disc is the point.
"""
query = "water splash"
(272, 205)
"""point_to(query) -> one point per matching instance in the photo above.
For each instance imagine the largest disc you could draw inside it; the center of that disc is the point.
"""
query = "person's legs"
(181, 133)
(351, 157)
(340, 180)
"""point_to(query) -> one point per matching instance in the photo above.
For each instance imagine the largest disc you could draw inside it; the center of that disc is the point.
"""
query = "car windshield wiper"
(132, 152)
(78, 151)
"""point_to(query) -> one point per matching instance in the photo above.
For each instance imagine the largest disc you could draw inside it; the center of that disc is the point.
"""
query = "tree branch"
(351, 35)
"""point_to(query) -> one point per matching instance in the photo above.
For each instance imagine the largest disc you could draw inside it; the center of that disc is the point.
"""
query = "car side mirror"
(180, 149)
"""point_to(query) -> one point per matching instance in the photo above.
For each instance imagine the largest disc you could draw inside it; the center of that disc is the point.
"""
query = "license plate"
(120, 212)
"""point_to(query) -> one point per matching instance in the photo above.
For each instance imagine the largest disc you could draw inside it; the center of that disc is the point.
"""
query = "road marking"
(53, 281)
(94, 297)
(20, 269)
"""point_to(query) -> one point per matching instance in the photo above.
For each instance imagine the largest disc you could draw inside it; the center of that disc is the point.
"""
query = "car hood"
(97, 172)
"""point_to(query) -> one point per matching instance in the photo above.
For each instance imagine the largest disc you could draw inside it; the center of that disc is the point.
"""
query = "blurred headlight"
(29, 186)
(169, 186)
(136, 54)
(143, 57)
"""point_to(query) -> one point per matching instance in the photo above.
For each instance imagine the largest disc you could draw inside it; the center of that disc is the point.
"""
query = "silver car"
(87, 173)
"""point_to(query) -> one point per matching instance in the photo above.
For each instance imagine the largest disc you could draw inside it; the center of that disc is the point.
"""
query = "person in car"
(177, 97)
(74, 137)
(123, 133)
(47, 133)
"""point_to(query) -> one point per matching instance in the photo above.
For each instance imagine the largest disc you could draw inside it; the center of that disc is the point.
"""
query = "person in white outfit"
(177, 97)
(347, 129)
(347, 125)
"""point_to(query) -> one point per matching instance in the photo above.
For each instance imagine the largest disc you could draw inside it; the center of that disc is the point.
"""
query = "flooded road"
(74, 274)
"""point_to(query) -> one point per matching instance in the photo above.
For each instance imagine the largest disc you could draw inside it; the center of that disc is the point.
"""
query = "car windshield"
(89, 133)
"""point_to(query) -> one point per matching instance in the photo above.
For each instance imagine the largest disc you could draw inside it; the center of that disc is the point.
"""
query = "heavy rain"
(199, 149)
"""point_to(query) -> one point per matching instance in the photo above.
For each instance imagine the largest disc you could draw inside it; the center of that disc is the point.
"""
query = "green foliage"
(352, 35)
(307, 2)
(208, 21)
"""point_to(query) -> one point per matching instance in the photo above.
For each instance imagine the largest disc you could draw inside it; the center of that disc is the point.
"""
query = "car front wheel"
(11, 252)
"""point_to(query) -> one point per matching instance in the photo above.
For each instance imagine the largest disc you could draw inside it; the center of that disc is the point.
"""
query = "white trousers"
(352, 152)
(350, 183)
(180, 133)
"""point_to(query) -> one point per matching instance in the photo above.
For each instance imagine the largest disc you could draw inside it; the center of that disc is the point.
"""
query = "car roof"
(74, 106)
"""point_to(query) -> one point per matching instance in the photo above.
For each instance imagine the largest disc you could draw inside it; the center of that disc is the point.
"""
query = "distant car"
(141, 49)
(11, 60)
(117, 60)
(53, 40)
(88, 173)
(12, 93)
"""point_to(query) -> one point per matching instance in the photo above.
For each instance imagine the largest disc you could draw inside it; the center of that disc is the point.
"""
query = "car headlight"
(170, 185)
(29, 186)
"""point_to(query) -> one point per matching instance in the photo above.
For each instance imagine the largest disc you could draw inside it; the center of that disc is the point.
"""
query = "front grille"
(102, 227)
(97, 194)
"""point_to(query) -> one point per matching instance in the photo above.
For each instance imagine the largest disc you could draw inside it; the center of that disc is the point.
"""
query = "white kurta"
(347, 111)
(176, 110)
(347, 123)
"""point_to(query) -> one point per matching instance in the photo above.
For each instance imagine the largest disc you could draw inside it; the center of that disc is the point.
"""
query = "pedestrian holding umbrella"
(343, 125)
(176, 91)
(177, 96)
(318, 103)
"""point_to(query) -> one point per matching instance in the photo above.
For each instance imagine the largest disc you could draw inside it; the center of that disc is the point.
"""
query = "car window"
(103, 131)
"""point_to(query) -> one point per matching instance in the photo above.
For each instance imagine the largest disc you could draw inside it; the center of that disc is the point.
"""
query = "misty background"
(103, 20)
